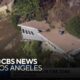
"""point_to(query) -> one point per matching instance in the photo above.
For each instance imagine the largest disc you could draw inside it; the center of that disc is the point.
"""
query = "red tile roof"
(40, 25)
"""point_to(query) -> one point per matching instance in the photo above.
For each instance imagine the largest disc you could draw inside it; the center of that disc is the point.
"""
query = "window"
(27, 32)
(32, 33)
(23, 31)
(40, 30)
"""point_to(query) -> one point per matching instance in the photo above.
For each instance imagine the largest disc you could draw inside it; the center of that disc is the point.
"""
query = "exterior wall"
(30, 33)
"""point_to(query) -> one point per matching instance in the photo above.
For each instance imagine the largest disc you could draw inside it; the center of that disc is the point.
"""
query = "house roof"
(67, 42)
(4, 2)
(40, 25)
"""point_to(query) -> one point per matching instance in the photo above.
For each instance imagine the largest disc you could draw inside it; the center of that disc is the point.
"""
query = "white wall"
(33, 36)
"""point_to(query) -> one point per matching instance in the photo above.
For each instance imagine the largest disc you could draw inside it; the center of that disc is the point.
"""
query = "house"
(41, 31)
(33, 31)
(5, 6)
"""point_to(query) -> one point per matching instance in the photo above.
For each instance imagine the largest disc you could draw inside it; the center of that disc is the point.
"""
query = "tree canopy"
(73, 26)
(26, 7)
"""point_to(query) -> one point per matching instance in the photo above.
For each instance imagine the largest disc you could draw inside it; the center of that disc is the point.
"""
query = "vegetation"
(15, 19)
(33, 49)
(29, 49)
(25, 10)
(73, 26)
(46, 58)
(28, 8)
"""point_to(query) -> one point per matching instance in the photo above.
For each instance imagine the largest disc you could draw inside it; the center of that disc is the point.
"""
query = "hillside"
(62, 11)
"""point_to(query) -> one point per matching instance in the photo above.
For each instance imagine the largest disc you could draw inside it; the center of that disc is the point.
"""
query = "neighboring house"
(5, 6)
(33, 31)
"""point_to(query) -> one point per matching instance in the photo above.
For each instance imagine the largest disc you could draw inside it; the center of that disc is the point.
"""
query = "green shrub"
(30, 49)
(73, 26)
(15, 19)
(27, 8)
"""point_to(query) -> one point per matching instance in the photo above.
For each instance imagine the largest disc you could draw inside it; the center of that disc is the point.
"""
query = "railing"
(52, 45)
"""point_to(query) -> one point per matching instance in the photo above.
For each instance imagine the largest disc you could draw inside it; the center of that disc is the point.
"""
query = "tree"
(44, 58)
(30, 49)
(73, 26)
(15, 19)
(33, 49)
(27, 8)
